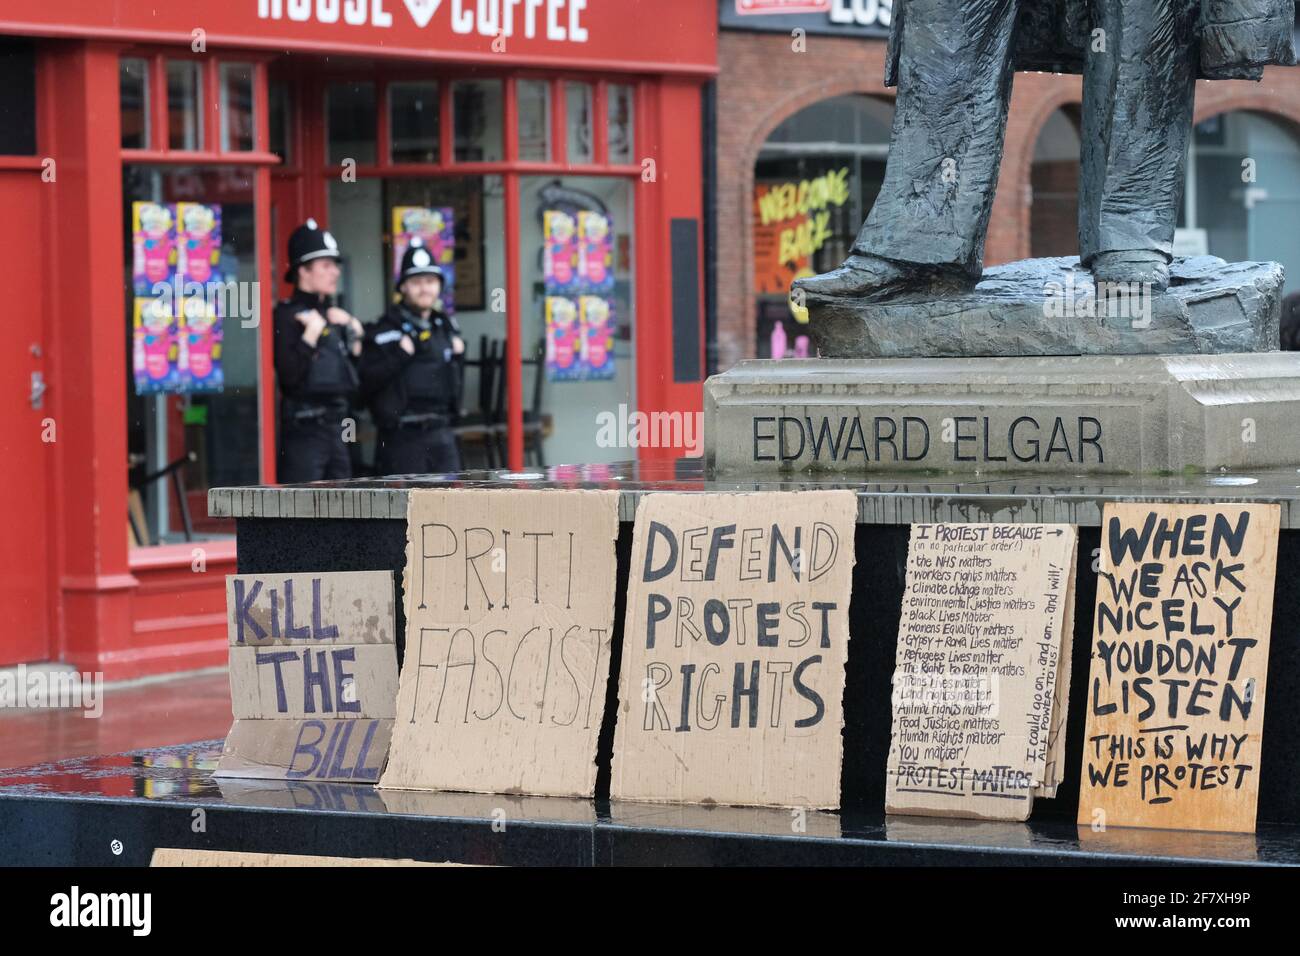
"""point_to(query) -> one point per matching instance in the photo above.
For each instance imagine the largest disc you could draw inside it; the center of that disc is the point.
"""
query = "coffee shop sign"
(559, 20)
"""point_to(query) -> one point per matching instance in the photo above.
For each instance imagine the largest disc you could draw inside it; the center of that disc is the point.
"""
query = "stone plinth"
(1074, 415)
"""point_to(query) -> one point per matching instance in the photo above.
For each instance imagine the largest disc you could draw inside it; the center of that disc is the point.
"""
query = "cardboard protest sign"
(313, 675)
(982, 676)
(736, 637)
(313, 609)
(308, 749)
(509, 614)
(177, 856)
(276, 682)
(1179, 663)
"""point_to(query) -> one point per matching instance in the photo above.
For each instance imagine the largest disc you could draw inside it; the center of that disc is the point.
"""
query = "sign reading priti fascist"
(509, 599)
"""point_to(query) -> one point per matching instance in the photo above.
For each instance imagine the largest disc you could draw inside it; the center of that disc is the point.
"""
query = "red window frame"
(159, 152)
(510, 168)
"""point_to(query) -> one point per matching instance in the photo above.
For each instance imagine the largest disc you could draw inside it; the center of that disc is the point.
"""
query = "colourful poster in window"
(153, 241)
(198, 242)
(595, 253)
(155, 358)
(560, 255)
(563, 339)
(436, 227)
(199, 348)
(597, 319)
(793, 222)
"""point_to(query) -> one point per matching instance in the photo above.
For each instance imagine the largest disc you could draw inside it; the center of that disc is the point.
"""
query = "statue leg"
(1137, 118)
(928, 225)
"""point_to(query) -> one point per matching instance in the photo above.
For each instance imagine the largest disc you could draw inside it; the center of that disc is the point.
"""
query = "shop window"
(815, 180)
(478, 110)
(578, 324)
(184, 113)
(193, 335)
(619, 99)
(133, 82)
(462, 219)
(534, 120)
(279, 120)
(238, 122)
(413, 119)
(1242, 198)
(351, 118)
(577, 108)
(17, 98)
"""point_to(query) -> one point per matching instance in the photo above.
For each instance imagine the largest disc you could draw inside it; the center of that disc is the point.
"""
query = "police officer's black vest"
(332, 374)
(427, 378)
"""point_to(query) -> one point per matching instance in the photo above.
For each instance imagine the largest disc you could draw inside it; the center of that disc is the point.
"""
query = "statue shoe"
(1135, 266)
(867, 278)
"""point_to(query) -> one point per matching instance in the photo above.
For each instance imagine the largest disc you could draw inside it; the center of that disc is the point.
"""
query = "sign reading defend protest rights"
(1179, 666)
(735, 642)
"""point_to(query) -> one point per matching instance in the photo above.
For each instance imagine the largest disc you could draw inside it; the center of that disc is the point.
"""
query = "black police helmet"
(418, 261)
(308, 243)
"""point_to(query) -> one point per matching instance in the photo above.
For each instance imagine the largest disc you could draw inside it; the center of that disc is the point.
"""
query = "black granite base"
(76, 812)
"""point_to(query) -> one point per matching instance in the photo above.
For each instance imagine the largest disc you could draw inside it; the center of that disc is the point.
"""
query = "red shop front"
(495, 127)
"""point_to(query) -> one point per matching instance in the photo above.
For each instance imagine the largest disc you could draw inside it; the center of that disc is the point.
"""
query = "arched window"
(1242, 200)
(815, 180)
(1054, 177)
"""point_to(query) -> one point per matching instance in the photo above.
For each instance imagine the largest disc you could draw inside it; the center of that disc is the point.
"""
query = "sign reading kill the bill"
(735, 642)
(509, 599)
(1179, 660)
(981, 681)
(313, 675)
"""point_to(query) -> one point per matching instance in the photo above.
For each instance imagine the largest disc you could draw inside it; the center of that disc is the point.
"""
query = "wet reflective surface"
(897, 498)
(146, 797)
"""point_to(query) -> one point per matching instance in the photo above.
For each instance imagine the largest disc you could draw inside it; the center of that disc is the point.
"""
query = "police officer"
(410, 373)
(316, 348)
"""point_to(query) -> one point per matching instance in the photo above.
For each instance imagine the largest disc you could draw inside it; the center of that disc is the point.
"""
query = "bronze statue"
(953, 63)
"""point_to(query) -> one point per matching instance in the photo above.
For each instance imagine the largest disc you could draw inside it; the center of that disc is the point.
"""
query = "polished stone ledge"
(147, 799)
(904, 498)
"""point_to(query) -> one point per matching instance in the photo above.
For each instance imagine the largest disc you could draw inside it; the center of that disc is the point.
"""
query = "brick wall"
(763, 81)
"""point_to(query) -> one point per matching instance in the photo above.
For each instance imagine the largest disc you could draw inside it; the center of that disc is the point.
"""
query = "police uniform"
(414, 399)
(316, 382)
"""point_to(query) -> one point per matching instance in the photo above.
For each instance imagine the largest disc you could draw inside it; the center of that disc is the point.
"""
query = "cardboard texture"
(1176, 688)
(313, 675)
(732, 680)
(509, 599)
(325, 607)
(1054, 771)
(981, 681)
(357, 680)
(344, 750)
(169, 856)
